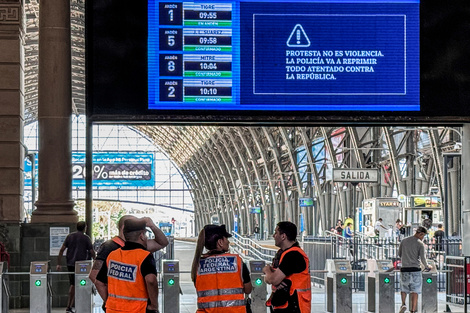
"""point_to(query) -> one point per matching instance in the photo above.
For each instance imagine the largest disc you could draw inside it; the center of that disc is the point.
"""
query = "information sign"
(297, 61)
(57, 237)
(315, 55)
(115, 169)
(356, 175)
(305, 202)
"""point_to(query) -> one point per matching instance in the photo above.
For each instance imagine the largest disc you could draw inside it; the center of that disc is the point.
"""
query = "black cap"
(211, 230)
(134, 224)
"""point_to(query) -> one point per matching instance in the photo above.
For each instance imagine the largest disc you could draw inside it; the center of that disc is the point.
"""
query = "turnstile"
(4, 288)
(259, 293)
(338, 286)
(83, 287)
(171, 286)
(429, 291)
(40, 292)
(380, 286)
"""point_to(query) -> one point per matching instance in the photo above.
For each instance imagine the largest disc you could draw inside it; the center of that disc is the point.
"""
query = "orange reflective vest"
(219, 284)
(118, 240)
(300, 284)
(127, 289)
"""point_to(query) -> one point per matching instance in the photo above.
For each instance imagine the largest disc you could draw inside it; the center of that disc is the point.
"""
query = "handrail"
(249, 249)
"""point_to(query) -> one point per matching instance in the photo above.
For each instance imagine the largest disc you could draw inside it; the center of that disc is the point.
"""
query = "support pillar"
(465, 187)
(11, 111)
(55, 202)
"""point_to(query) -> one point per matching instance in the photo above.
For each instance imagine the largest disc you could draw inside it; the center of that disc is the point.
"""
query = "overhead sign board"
(255, 210)
(348, 60)
(305, 202)
(356, 175)
(115, 169)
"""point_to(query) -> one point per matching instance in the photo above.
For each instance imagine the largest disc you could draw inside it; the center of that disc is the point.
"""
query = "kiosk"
(40, 291)
(338, 286)
(83, 287)
(171, 286)
(259, 293)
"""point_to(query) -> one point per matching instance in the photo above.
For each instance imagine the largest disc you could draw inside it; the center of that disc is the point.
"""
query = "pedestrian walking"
(79, 248)
(411, 252)
(256, 231)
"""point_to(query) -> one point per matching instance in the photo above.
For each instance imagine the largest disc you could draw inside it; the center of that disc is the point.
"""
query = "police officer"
(289, 274)
(221, 278)
(128, 280)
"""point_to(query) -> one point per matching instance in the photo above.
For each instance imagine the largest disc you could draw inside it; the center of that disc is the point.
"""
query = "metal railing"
(360, 248)
(457, 275)
(251, 250)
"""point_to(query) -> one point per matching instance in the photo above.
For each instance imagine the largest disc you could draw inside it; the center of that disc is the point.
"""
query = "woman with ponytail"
(221, 278)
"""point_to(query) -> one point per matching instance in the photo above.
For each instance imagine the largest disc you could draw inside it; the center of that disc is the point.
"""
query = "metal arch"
(196, 196)
(212, 183)
(329, 148)
(246, 221)
(244, 164)
(206, 186)
(307, 143)
(224, 175)
(393, 158)
(261, 188)
(359, 156)
(275, 205)
(437, 157)
(228, 205)
(277, 160)
(290, 149)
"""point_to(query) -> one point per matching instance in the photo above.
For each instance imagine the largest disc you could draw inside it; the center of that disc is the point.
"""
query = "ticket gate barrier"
(338, 286)
(40, 291)
(171, 286)
(259, 293)
(83, 287)
(4, 288)
(380, 286)
(429, 291)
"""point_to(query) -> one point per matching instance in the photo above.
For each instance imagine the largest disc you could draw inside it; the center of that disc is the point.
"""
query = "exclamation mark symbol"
(298, 36)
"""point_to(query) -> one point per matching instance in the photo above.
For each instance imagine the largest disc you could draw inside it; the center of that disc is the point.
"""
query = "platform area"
(184, 251)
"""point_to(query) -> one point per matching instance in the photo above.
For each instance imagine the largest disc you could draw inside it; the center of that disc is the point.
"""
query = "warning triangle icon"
(298, 37)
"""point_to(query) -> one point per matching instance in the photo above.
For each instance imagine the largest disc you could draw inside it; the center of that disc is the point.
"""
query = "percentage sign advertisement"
(115, 169)
(99, 172)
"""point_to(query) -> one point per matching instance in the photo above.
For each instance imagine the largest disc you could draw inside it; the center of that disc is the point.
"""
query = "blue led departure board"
(340, 55)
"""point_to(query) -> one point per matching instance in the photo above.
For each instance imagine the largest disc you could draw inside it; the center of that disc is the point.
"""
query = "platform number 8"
(171, 66)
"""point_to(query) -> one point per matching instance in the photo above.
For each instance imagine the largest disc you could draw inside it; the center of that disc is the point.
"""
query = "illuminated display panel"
(291, 55)
(236, 71)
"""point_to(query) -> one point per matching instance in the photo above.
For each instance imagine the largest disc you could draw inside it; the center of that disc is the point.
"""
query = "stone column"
(11, 111)
(55, 202)
(465, 187)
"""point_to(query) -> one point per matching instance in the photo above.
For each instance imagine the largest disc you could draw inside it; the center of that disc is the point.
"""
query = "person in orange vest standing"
(289, 273)
(159, 242)
(127, 281)
(221, 279)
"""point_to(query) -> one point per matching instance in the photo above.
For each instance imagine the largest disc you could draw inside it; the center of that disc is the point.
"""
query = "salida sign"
(355, 175)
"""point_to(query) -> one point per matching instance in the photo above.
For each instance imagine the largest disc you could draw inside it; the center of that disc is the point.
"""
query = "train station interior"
(61, 162)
